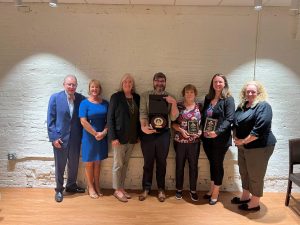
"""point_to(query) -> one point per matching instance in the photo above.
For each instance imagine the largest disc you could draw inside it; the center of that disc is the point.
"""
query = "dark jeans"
(215, 154)
(190, 152)
(155, 148)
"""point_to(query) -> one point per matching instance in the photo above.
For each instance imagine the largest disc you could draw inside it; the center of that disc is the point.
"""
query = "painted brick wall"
(40, 45)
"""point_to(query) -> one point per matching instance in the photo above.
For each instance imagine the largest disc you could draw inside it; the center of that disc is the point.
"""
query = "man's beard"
(159, 88)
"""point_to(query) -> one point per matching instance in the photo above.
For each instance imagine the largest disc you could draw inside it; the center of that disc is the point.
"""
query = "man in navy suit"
(65, 131)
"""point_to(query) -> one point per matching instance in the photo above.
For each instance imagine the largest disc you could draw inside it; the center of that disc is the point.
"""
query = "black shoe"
(245, 207)
(143, 195)
(237, 200)
(75, 189)
(206, 196)
(178, 195)
(213, 201)
(194, 196)
(59, 196)
(161, 195)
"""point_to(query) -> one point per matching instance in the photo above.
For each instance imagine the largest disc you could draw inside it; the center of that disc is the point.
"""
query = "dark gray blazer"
(119, 117)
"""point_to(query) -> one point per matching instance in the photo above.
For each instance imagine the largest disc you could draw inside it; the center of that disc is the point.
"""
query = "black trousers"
(215, 154)
(62, 157)
(155, 148)
(190, 152)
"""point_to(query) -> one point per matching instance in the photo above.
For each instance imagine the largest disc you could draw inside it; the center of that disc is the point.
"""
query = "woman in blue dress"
(93, 113)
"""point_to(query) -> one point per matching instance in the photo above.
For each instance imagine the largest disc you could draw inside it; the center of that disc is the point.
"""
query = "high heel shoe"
(94, 195)
(213, 201)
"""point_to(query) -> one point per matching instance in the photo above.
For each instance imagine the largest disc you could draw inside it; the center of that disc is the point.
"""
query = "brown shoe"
(126, 195)
(143, 195)
(120, 196)
(161, 196)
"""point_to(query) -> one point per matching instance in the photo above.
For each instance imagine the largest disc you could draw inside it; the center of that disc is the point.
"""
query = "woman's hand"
(184, 133)
(115, 143)
(210, 134)
(100, 135)
(197, 135)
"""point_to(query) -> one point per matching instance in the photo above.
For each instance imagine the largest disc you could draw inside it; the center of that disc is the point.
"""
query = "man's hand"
(148, 130)
(57, 143)
(170, 99)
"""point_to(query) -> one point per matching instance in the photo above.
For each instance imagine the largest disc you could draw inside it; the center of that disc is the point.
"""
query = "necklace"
(130, 104)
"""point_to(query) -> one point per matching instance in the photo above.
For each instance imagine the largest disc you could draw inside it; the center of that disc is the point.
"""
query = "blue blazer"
(59, 122)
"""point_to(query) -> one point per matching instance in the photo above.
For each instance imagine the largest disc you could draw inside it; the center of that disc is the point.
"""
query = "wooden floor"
(32, 206)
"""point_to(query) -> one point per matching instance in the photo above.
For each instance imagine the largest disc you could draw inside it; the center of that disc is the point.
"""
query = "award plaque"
(158, 112)
(210, 124)
(192, 126)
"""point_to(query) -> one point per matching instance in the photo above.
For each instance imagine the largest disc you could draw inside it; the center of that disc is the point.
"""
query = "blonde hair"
(261, 93)
(96, 83)
(124, 77)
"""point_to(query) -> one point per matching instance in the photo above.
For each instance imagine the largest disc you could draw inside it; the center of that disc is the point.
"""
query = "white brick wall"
(38, 47)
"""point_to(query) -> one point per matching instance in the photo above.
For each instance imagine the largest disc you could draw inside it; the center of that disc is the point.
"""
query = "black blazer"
(256, 121)
(223, 111)
(119, 117)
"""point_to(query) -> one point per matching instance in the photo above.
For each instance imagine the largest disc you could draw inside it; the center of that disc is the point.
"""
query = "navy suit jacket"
(59, 122)
(256, 121)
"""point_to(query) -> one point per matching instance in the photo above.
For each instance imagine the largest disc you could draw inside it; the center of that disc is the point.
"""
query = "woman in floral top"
(187, 140)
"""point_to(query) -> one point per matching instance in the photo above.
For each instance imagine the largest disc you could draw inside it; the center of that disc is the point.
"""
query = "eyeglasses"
(71, 85)
(160, 81)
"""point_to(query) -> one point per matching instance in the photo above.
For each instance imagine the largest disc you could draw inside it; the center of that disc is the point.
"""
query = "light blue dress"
(95, 113)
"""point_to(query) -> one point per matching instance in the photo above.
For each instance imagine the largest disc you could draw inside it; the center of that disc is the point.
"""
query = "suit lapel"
(65, 104)
(124, 101)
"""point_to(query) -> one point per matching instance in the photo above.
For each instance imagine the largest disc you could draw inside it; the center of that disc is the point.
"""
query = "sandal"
(100, 193)
(94, 195)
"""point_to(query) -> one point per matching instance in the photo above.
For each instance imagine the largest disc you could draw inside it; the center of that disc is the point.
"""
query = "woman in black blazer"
(218, 105)
(123, 131)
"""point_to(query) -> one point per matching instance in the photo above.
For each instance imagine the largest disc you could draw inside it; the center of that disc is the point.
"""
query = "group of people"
(125, 120)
